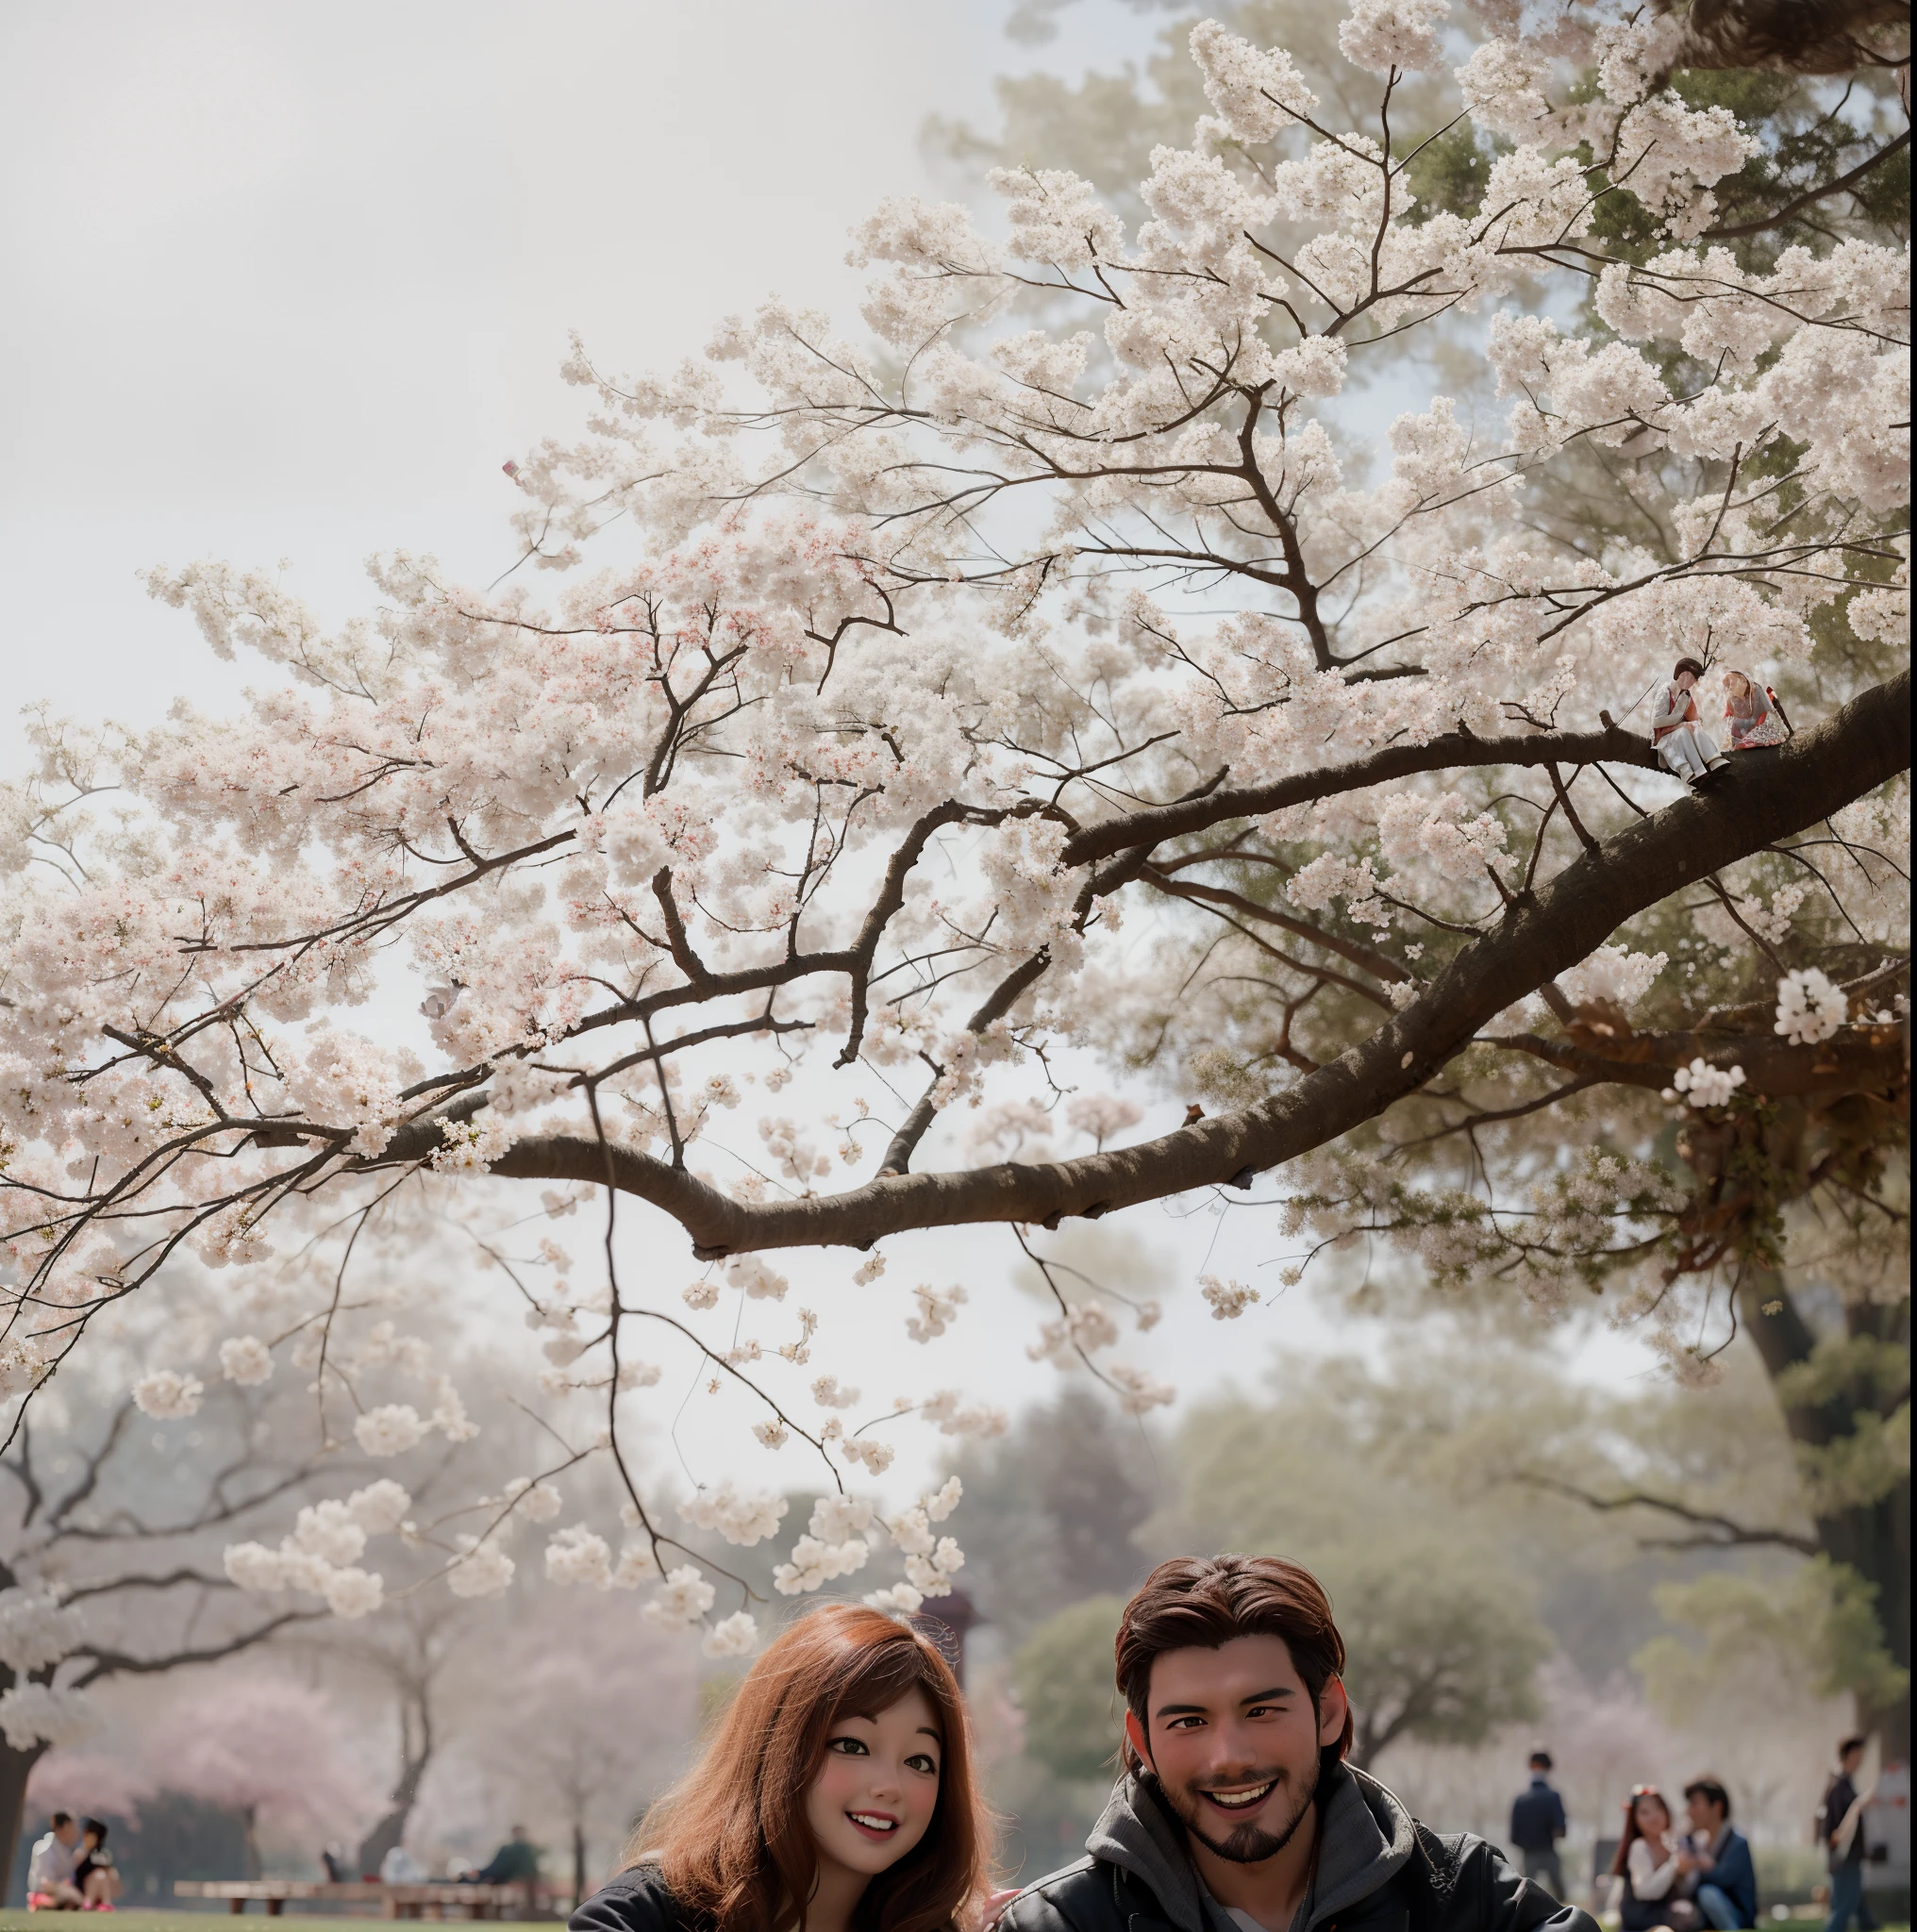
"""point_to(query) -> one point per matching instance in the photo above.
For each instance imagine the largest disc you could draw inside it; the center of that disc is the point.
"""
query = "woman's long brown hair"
(731, 1838)
(1633, 1831)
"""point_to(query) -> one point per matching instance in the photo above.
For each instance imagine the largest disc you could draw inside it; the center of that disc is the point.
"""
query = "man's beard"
(1247, 1844)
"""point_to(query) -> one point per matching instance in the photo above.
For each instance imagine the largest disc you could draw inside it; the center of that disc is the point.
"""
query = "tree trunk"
(16, 1767)
(1871, 1539)
(578, 1864)
(250, 1814)
(390, 1830)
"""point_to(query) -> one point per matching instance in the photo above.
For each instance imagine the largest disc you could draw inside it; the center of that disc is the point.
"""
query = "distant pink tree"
(109, 1782)
(1605, 1738)
(268, 1748)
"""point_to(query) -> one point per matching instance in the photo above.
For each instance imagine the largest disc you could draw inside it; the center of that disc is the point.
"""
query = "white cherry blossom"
(245, 1360)
(168, 1394)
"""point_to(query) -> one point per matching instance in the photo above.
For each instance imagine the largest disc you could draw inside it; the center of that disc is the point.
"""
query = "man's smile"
(1243, 1799)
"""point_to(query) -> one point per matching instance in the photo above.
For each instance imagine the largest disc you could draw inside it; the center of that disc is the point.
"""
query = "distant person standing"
(1840, 1826)
(1537, 1825)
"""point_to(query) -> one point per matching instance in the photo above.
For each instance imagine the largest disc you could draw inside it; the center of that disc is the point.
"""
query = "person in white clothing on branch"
(1686, 747)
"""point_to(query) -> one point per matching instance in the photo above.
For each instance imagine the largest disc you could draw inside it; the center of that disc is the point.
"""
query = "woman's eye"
(920, 1762)
(849, 1747)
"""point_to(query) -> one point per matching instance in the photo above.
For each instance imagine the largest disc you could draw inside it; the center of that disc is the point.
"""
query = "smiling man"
(1237, 1811)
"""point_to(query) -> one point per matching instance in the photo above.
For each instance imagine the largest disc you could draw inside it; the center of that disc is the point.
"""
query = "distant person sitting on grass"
(1726, 1878)
(516, 1862)
(50, 1886)
(1651, 1868)
(98, 1883)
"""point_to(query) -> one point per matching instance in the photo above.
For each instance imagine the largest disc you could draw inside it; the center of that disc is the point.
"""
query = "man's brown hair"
(1200, 1603)
(1711, 1790)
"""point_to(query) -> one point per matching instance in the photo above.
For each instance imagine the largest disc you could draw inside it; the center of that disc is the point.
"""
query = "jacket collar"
(1365, 1838)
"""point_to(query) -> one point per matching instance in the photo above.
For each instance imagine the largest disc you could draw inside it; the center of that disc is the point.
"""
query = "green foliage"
(1443, 1647)
(1818, 1627)
(1378, 1488)
(1804, 145)
(1861, 1466)
(1450, 172)
(1847, 1369)
(1860, 1383)
(1072, 1709)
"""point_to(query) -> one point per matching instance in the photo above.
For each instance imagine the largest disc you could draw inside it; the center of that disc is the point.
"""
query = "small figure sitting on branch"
(1687, 749)
(1752, 716)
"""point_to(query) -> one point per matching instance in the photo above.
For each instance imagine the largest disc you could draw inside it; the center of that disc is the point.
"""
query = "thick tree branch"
(1753, 805)
(1814, 194)
(1454, 750)
(1865, 1061)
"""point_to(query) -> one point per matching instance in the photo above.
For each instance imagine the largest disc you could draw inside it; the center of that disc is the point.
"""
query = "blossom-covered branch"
(1047, 670)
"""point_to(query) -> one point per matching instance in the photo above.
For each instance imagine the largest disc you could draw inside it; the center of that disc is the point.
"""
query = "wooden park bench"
(444, 1899)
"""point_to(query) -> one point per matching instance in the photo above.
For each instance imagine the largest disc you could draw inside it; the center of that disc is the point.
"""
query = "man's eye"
(849, 1747)
(1184, 1724)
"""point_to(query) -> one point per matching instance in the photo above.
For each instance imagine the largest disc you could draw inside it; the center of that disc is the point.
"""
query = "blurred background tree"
(1062, 1673)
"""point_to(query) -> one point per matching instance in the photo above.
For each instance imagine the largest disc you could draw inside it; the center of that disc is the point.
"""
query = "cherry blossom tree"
(956, 702)
(265, 1747)
(109, 1566)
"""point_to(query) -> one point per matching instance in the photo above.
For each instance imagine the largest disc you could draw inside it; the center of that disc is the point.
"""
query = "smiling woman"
(836, 1795)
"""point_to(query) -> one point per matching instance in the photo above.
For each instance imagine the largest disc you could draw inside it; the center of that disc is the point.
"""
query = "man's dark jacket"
(1378, 1871)
(1837, 1800)
(1735, 1874)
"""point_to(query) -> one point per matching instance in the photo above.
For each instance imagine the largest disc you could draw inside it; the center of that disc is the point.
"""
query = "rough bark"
(16, 1767)
(1871, 1539)
(1753, 804)
(415, 1754)
(1793, 36)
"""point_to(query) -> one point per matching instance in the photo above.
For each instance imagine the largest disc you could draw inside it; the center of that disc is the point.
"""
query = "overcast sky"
(290, 281)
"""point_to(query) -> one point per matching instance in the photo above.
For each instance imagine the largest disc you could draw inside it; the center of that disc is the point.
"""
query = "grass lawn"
(18, 1920)
(178, 1921)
